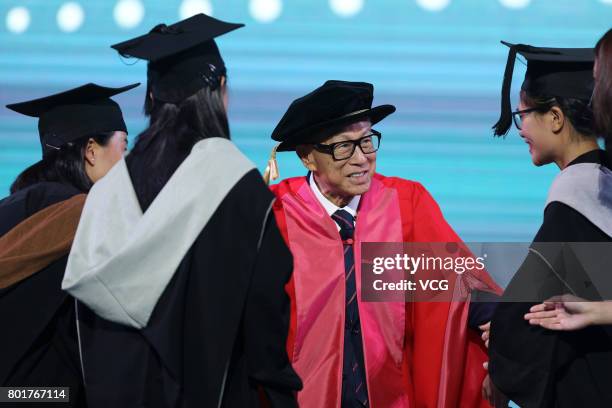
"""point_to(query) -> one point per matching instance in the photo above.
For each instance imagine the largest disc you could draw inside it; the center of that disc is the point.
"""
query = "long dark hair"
(66, 165)
(578, 111)
(173, 130)
(602, 95)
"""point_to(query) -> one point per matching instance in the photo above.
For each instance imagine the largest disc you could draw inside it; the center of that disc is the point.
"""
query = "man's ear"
(305, 153)
(90, 152)
(557, 119)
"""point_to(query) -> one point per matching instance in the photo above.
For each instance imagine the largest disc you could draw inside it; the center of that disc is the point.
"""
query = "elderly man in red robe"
(348, 352)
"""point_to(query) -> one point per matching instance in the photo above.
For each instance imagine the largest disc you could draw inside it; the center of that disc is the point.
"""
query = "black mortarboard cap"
(333, 104)
(70, 115)
(183, 57)
(551, 72)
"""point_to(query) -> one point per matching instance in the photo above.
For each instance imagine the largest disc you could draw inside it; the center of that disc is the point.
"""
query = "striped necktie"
(354, 390)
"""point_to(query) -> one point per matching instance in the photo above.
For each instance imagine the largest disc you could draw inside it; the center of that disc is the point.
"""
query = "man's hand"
(486, 332)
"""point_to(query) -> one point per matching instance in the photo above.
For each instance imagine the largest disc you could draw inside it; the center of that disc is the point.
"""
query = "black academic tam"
(83, 111)
(183, 57)
(333, 104)
(551, 73)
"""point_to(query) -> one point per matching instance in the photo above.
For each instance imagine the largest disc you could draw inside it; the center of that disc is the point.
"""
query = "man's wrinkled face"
(341, 180)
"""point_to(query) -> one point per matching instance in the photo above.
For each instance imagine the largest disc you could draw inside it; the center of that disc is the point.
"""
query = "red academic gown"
(419, 354)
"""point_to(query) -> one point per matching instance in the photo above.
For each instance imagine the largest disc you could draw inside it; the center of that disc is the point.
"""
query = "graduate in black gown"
(568, 313)
(82, 134)
(181, 282)
(532, 366)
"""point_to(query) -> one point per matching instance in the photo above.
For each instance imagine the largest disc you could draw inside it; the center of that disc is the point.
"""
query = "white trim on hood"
(587, 188)
(121, 259)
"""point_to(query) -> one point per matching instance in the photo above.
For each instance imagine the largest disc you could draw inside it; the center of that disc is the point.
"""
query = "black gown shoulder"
(24, 203)
(564, 224)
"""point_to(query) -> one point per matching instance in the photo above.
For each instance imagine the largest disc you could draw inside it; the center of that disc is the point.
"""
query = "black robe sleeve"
(536, 367)
(38, 345)
(267, 313)
(482, 308)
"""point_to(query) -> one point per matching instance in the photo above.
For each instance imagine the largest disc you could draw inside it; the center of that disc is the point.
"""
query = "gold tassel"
(271, 172)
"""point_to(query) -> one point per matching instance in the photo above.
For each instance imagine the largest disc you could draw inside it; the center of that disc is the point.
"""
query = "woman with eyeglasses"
(532, 366)
(568, 312)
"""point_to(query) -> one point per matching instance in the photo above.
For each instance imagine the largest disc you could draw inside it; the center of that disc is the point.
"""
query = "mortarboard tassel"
(505, 118)
(271, 173)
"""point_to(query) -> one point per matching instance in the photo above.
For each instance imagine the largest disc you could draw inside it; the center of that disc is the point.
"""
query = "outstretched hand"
(566, 312)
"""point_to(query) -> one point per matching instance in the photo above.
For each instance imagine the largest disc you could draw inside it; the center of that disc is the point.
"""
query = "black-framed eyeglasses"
(518, 115)
(345, 149)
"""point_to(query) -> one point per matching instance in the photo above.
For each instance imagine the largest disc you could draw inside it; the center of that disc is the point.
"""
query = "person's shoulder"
(41, 195)
(245, 208)
(32, 199)
(288, 185)
(563, 223)
(404, 187)
(251, 186)
(55, 189)
(250, 196)
(44, 194)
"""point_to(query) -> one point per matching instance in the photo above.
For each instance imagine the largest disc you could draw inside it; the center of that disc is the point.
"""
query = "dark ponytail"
(173, 130)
